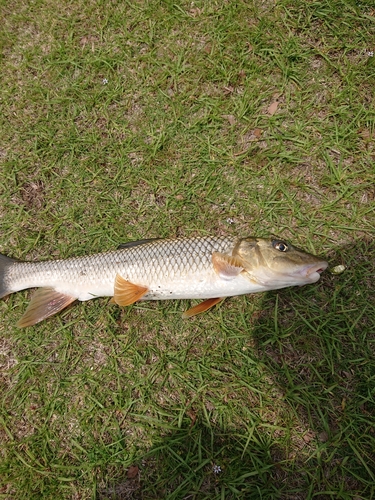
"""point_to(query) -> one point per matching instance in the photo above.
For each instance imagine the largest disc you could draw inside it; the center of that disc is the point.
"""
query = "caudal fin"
(5, 263)
(44, 303)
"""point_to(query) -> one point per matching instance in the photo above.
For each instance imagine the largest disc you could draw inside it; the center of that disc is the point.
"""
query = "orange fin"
(202, 307)
(127, 293)
(44, 303)
(226, 266)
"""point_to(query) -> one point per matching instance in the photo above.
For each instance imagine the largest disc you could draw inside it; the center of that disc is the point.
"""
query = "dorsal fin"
(136, 243)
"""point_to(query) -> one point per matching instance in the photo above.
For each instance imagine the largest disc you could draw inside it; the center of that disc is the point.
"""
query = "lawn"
(125, 120)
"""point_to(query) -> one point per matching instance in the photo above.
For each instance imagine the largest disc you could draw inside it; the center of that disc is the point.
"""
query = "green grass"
(128, 120)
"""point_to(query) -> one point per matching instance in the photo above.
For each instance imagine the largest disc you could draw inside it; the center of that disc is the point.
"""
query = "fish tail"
(44, 303)
(5, 263)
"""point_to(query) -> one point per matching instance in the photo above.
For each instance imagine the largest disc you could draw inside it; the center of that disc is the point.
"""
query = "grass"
(126, 120)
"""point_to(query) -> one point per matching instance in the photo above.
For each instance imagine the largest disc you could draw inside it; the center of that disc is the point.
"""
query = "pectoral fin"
(202, 307)
(226, 266)
(44, 303)
(127, 293)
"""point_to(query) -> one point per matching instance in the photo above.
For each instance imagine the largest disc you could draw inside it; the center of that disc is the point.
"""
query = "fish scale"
(161, 259)
(144, 264)
(209, 267)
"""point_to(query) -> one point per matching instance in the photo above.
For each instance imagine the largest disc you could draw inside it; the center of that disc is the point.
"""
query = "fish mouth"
(313, 271)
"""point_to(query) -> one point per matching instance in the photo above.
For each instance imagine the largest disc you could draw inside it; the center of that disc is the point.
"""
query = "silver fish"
(209, 267)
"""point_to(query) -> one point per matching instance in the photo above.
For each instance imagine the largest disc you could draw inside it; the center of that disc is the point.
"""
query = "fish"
(204, 267)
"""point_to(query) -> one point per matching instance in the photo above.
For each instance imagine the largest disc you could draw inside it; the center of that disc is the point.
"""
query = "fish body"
(209, 268)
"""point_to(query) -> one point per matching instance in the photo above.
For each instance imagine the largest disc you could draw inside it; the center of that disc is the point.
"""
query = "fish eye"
(281, 246)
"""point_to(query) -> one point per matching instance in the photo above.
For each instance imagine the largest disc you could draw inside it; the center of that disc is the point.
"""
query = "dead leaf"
(241, 152)
(231, 119)
(272, 108)
(366, 133)
(209, 406)
(242, 75)
(132, 472)
(33, 194)
(195, 11)
(323, 436)
(253, 136)
(192, 415)
(308, 437)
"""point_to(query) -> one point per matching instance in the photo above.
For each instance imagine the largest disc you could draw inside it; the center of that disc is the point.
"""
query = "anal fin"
(127, 293)
(202, 307)
(44, 303)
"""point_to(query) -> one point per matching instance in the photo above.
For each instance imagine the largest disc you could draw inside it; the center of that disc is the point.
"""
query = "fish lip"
(311, 270)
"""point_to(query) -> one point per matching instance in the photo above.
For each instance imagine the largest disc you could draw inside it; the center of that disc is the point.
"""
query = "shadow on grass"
(201, 461)
(320, 351)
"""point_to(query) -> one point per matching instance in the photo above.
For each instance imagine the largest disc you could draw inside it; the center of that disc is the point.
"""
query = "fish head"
(274, 263)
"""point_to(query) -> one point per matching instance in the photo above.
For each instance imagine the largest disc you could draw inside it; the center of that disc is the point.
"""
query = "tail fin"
(5, 263)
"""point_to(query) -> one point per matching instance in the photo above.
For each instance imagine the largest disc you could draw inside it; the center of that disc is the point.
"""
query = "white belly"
(183, 287)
